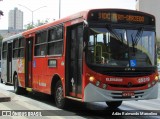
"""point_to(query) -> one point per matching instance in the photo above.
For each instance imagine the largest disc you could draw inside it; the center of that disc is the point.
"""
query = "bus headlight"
(156, 78)
(91, 78)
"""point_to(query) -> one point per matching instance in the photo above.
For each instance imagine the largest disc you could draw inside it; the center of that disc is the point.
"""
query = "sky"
(49, 9)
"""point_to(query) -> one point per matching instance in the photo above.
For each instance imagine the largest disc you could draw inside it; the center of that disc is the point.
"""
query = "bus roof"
(82, 14)
(12, 37)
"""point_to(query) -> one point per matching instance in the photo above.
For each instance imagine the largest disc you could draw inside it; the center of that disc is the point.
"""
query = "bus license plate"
(127, 94)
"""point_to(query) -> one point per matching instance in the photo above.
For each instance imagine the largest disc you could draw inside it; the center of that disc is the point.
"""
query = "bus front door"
(74, 52)
(9, 63)
(28, 62)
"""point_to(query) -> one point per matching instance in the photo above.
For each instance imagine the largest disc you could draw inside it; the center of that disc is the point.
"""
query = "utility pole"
(32, 11)
(59, 9)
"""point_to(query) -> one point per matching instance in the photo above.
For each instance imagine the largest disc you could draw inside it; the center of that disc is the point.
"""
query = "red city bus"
(99, 55)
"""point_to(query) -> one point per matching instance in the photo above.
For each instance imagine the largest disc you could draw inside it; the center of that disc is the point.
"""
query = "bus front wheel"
(58, 95)
(114, 104)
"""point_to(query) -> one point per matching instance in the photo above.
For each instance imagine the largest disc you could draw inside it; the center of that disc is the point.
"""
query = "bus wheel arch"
(55, 79)
(17, 88)
(57, 91)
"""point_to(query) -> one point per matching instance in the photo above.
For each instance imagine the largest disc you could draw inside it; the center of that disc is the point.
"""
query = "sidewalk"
(4, 98)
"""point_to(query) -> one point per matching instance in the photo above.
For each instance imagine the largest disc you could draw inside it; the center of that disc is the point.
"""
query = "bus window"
(21, 49)
(4, 51)
(55, 41)
(40, 43)
(15, 48)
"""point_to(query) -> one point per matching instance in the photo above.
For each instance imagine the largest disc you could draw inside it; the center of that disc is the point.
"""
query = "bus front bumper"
(93, 93)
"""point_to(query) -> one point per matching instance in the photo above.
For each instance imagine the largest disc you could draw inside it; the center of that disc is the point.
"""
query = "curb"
(4, 98)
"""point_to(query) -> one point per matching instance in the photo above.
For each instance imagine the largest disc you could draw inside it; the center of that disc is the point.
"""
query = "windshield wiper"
(110, 29)
(137, 37)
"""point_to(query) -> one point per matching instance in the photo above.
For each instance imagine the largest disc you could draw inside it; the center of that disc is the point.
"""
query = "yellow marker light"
(29, 89)
(156, 78)
(91, 78)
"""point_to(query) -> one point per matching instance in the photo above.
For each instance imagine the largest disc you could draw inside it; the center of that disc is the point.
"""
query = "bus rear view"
(120, 56)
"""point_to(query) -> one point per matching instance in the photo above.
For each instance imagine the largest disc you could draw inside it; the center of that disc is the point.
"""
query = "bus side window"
(55, 41)
(21, 47)
(41, 43)
(4, 50)
(15, 48)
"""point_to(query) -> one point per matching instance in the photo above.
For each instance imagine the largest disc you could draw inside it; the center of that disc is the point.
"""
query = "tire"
(58, 96)
(114, 104)
(1, 78)
(17, 89)
(1, 81)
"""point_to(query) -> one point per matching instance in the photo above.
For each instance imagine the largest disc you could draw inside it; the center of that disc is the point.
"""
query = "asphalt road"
(36, 105)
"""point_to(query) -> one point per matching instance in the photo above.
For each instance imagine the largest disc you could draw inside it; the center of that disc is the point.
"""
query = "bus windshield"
(121, 47)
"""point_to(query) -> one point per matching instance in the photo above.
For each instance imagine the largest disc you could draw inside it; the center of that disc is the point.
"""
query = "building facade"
(15, 19)
(152, 7)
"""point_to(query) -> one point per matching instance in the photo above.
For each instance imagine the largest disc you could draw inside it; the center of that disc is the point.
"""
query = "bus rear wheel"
(16, 85)
(1, 81)
(58, 95)
(114, 104)
(17, 89)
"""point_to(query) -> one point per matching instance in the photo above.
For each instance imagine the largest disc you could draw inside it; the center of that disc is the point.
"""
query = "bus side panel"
(19, 67)
(39, 73)
(57, 70)
(4, 70)
(43, 73)
(14, 67)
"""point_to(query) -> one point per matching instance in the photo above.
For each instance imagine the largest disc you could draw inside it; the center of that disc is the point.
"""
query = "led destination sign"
(121, 17)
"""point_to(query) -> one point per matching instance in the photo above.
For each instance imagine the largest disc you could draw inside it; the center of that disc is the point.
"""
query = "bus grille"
(126, 86)
(129, 74)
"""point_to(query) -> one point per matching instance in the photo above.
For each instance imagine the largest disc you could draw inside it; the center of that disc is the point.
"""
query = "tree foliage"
(38, 23)
(1, 12)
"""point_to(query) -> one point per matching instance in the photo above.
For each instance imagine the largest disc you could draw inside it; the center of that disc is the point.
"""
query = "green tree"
(29, 26)
(38, 23)
(1, 12)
